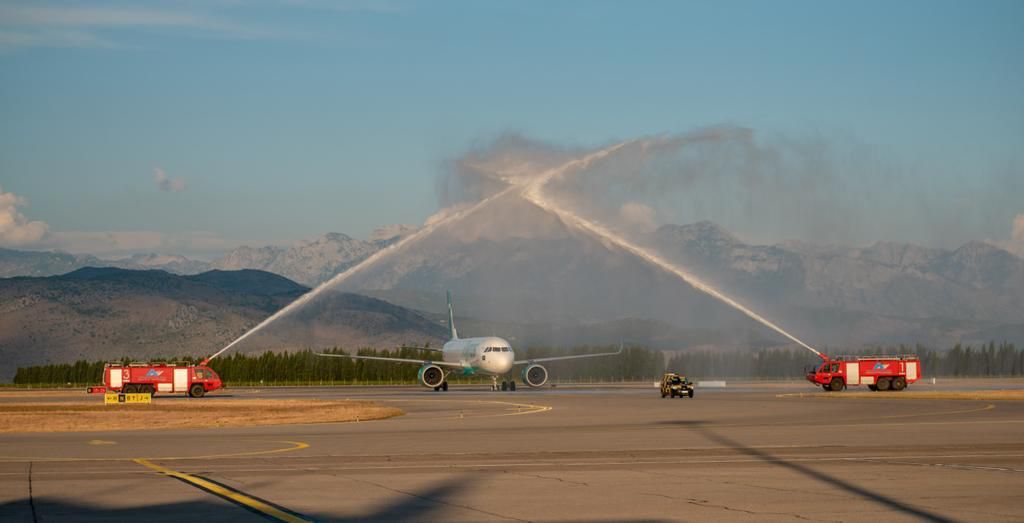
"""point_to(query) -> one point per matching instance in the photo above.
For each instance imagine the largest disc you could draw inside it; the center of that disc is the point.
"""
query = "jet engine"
(535, 375)
(431, 376)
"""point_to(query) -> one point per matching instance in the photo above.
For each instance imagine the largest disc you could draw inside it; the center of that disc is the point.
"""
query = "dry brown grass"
(1010, 394)
(82, 417)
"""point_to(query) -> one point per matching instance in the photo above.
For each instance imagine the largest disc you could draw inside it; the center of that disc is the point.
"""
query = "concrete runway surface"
(569, 453)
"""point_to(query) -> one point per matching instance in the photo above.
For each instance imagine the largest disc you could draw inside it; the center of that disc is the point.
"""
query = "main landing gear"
(444, 384)
(509, 385)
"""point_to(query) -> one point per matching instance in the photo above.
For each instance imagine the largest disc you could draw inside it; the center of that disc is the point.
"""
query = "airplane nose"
(502, 364)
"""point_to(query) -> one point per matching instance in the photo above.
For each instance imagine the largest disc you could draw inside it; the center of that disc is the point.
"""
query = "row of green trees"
(989, 360)
(635, 364)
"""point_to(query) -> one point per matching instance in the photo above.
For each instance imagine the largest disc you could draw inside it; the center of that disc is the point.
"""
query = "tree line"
(991, 360)
(635, 364)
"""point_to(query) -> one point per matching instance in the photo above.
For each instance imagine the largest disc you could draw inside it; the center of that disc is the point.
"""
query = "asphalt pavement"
(568, 453)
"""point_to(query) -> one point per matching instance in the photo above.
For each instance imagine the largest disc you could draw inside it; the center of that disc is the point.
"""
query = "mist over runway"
(569, 453)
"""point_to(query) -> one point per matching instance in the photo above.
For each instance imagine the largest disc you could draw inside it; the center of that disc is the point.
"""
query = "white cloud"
(348, 6)
(18, 232)
(37, 25)
(167, 184)
(15, 228)
(1016, 242)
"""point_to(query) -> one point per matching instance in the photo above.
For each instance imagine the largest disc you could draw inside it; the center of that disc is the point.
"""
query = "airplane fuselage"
(488, 355)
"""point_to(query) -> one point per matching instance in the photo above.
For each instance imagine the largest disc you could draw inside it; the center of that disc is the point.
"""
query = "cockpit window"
(488, 349)
(505, 349)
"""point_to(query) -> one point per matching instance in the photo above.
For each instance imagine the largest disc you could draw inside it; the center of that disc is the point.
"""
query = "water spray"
(531, 191)
(533, 194)
(395, 247)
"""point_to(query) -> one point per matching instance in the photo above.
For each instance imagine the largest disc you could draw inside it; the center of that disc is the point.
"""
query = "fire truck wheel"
(837, 384)
(883, 384)
(196, 391)
(899, 383)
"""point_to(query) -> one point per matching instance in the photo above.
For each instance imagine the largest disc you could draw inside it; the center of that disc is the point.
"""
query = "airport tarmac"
(569, 453)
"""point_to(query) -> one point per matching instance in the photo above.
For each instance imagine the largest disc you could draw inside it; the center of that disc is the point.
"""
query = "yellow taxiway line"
(227, 493)
(521, 408)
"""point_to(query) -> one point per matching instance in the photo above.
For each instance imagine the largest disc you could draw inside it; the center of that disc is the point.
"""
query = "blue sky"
(272, 121)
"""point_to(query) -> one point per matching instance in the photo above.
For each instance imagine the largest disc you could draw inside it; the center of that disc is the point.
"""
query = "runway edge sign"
(111, 398)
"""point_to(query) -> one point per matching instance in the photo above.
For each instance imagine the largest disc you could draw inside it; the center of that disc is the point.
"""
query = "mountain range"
(307, 262)
(110, 313)
(525, 274)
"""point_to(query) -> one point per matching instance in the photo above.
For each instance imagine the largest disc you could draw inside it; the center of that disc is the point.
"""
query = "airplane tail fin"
(451, 318)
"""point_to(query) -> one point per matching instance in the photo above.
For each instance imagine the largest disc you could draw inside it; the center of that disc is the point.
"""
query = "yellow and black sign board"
(115, 398)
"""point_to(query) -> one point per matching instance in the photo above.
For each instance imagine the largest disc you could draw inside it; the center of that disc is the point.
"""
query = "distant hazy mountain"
(42, 263)
(38, 263)
(107, 313)
(170, 263)
(975, 282)
(524, 270)
(531, 269)
(313, 262)
(309, 262)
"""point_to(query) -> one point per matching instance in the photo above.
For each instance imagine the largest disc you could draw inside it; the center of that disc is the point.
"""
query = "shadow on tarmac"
(424, 505)
(409, 505)
(814, 474)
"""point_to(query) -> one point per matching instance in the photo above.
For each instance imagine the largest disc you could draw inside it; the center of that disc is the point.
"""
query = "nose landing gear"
(509, 385)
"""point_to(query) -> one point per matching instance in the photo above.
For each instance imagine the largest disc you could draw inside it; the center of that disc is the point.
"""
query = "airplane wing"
(395, 360)
(421, 348)
(577, 356)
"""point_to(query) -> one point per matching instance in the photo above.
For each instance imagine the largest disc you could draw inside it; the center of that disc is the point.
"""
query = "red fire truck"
(152, 378)
(877, 372)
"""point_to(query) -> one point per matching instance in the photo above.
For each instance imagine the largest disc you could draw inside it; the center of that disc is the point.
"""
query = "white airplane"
(490, 356)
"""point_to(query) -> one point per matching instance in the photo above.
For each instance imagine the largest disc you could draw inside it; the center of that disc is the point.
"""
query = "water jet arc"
(425, 231)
